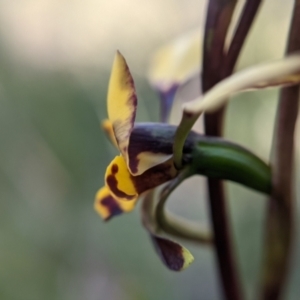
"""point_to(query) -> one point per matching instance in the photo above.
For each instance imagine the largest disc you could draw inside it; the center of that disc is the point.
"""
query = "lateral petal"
(107, 206)
(121, 102)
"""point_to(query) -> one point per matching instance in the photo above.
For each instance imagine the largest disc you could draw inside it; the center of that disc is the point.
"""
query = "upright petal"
(121, 102)
(107, 206)
(171, 65)
(176, 61)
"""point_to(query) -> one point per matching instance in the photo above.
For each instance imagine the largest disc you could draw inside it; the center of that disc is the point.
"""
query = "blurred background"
(55, 60)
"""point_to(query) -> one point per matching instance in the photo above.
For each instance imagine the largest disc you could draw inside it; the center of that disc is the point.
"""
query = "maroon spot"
(113, 185)
(113, 207)
(114, 169)
(169, 252)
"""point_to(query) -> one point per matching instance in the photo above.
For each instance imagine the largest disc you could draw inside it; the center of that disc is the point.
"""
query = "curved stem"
(170, 223)
(175, 225)
(185, 126)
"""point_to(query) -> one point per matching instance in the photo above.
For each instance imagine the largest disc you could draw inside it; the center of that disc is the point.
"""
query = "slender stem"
(280, 217)
(248, 14)
(212, 61)
(218, 17)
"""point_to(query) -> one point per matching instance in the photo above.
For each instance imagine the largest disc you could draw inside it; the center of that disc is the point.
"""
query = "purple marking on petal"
(121, 128)
(114, 169)
(154, 177)
(112, 182)
(169, 252)
(113, 207)
(156, 138)
(132, 100)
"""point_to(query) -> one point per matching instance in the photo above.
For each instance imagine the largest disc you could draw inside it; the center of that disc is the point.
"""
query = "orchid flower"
(146, 161)
(145, 149)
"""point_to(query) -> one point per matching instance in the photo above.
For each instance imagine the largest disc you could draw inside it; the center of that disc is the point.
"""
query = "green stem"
(170, 223)
(218, 159)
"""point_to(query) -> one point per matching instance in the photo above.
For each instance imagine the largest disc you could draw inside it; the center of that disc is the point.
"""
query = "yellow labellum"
(119, 180)
(107, 206)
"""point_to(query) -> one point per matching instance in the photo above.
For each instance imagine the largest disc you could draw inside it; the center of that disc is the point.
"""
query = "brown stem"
(248, 14)
(218, 18)
(280, 218)
(216, 66)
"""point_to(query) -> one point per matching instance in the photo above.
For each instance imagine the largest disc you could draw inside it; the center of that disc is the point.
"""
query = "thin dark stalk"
(216, 66)
(280, 217)
(218, 18)
(247, 17)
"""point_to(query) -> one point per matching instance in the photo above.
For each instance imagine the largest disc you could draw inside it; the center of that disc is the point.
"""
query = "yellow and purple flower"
(145, 148)
(145, 160)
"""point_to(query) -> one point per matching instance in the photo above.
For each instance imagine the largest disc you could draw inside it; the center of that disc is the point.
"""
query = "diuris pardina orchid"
(147, 161)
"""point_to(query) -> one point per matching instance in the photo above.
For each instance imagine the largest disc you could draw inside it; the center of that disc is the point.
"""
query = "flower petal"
(107, 127)
(107, 206)
(152, 144)
(171, 65)
(176, 61)
(124, 186)
(121, 102)
(173, 255)
(119, 180)
(277, 73)
(189, 90)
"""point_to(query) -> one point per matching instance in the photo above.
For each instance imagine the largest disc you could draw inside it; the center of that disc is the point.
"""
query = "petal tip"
(173, 255)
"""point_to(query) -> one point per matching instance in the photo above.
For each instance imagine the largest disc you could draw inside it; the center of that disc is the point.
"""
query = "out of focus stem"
(280, 217)
(218, 18)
